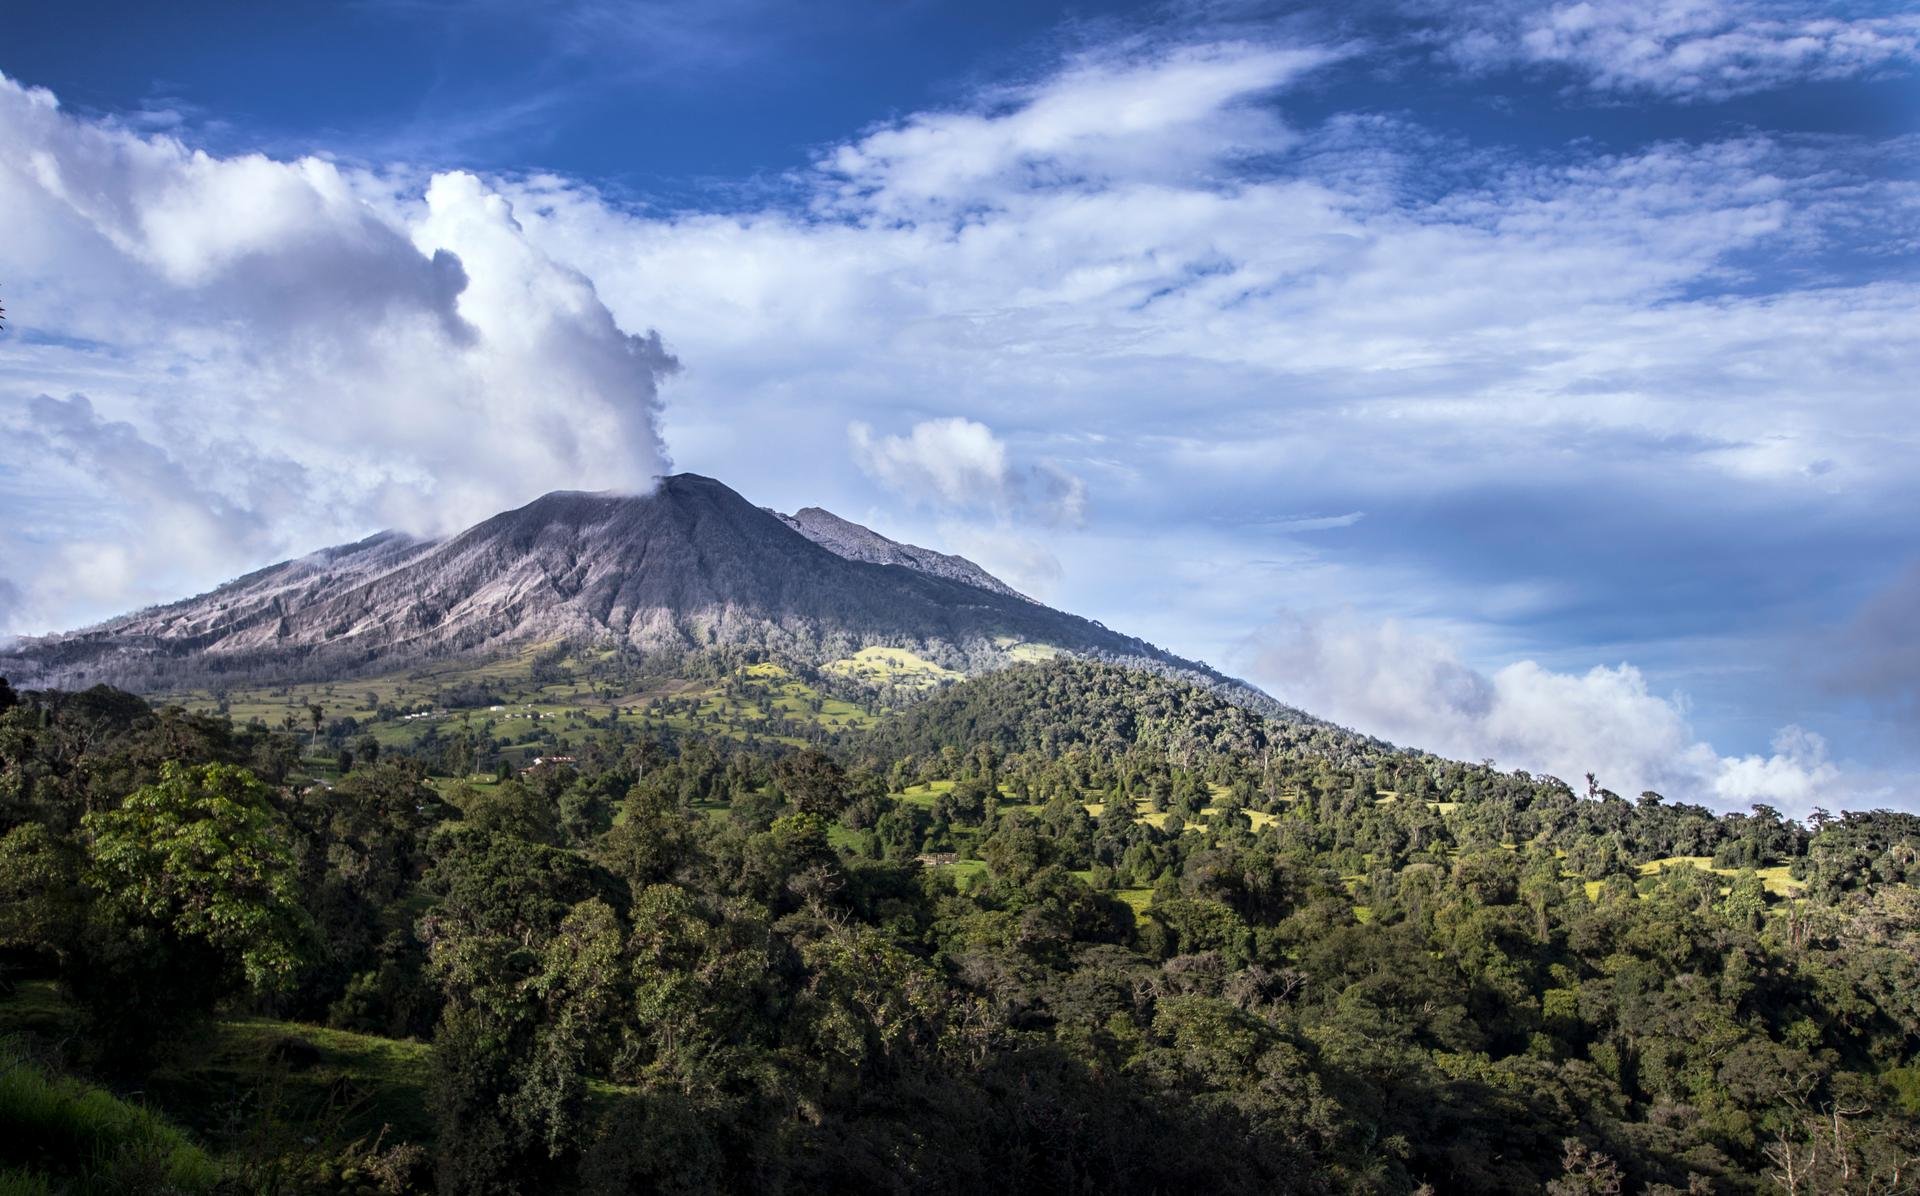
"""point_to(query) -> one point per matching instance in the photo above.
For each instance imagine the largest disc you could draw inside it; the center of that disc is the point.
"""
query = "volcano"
(689, 566)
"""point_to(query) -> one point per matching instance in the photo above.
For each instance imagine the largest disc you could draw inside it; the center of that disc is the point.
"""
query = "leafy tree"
(813, 782)
(192, 898)
(203, 856)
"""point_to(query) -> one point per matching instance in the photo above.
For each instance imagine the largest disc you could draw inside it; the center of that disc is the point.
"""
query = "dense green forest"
(1060, 928)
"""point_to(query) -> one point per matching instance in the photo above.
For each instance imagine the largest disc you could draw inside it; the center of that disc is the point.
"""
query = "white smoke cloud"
(1413, 688)
(266, 355)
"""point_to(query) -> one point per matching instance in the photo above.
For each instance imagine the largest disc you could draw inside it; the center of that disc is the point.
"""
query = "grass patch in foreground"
(354, 1082)
(361, 1082)
(65, 1135)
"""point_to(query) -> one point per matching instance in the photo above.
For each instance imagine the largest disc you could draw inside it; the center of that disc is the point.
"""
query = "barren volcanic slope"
(688, 566)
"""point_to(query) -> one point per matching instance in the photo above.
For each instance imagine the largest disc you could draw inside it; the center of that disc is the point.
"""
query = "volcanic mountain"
(689, 566)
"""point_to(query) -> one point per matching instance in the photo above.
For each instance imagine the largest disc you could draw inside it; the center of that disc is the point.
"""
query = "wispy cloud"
(1105, 120)
(1689, 50)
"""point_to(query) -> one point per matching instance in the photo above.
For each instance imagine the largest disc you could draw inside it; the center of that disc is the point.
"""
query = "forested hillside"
(1061, 928)
(1110, 712)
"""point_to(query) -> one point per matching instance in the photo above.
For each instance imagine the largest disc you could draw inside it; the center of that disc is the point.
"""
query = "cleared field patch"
(891, 666)
(1143, 811)
(1778, 879)
(521, 700)
(1135, 899)
(924, 795)
(965, 873)
(766, 692)
(1022, 652)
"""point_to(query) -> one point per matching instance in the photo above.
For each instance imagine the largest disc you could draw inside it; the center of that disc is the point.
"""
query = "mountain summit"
(689, 566)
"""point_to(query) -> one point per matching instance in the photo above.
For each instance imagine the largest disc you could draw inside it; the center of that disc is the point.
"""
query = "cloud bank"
(1414, 689)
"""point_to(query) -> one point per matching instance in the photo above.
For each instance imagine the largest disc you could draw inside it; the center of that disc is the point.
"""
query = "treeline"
(691, 965)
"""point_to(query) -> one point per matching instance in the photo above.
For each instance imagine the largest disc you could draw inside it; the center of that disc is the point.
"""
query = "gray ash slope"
(690, 566)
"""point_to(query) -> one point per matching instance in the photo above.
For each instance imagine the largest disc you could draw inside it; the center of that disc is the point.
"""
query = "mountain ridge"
(843, 537)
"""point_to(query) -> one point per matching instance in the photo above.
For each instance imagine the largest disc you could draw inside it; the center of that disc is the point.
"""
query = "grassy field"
(924, 795)
(1778, 880)
(1021, 652)
(760, 693)
(891, 666)
(967, 871)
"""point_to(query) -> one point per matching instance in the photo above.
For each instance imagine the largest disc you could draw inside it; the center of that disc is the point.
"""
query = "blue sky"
(1530, 381)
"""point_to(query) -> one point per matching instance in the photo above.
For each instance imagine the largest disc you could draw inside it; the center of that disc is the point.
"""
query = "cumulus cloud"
(1414, 688)
(1528, 304)
(168, 518)
(959, 464)
(270, 355)
(1681, 49)
(955, 461)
